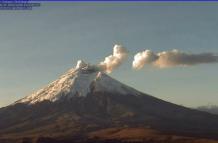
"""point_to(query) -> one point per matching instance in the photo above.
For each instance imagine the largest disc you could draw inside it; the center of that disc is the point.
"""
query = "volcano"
(87, 103)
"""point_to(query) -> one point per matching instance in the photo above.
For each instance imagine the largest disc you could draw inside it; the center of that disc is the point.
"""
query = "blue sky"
(38, 46)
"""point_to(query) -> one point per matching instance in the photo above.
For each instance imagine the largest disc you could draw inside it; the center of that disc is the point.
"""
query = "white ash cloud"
(80, 64)
(116, 59)
(171, 59)
(142, 58)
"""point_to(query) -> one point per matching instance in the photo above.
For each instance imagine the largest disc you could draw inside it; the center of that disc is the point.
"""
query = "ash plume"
(171, 59)
(116, 59)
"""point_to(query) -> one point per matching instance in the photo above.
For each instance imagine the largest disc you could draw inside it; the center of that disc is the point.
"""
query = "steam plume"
(113, 61)
(171, 58)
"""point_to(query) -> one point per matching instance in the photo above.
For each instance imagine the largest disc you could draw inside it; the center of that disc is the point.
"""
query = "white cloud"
(116, 59)
(171, 58)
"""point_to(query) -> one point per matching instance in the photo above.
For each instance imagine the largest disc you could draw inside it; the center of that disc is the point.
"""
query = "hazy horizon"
(40, 45)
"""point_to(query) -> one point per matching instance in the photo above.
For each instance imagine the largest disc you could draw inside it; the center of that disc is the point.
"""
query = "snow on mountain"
(77, 82)
(103, 102)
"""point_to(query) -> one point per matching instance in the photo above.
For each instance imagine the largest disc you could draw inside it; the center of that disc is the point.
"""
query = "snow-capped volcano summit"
(78, 81)
(86, 99)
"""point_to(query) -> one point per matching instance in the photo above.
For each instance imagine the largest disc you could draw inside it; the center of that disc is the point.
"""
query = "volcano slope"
(86, 105)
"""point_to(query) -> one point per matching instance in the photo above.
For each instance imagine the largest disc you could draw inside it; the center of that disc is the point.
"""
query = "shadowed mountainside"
(85, 100)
